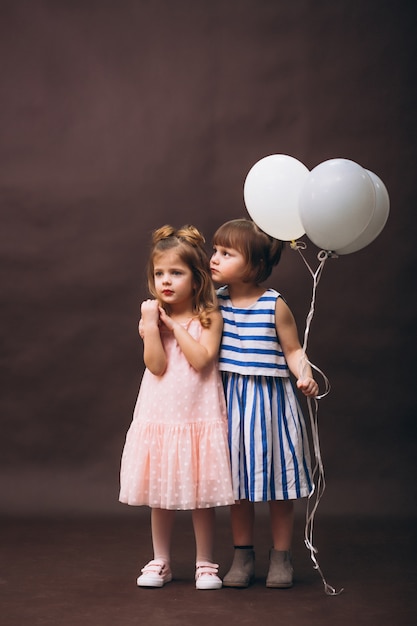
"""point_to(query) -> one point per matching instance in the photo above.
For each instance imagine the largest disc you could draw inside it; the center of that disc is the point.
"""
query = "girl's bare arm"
(290, 343)
(153, 351)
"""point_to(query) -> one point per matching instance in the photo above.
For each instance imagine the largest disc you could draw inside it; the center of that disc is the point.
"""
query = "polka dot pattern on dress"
(176, 453)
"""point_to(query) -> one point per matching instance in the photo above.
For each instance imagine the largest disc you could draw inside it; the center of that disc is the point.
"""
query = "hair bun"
(191, 235)
(163, 233)
(187, 233)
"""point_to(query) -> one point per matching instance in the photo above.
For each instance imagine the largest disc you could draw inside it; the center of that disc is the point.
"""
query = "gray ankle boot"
(280, 569)
(242, 571)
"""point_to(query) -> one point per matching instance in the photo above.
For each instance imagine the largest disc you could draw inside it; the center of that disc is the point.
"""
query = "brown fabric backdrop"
(117, 117)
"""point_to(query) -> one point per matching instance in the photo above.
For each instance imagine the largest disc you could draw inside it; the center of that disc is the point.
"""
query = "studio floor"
(82, 572)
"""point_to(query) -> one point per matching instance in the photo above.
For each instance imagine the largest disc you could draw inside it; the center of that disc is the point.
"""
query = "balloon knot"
(298, 245)
(327, 254)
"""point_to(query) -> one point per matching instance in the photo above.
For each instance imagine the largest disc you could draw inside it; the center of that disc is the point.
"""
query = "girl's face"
(173, 279)
(227, 265)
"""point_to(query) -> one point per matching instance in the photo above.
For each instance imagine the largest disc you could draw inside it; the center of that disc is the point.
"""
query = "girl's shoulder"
(195, 322)
(270, 294)
(194, 327)
(273, 295)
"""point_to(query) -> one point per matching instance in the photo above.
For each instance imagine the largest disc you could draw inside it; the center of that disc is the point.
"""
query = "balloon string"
(318, 477)
(319, 486)
(316, 275)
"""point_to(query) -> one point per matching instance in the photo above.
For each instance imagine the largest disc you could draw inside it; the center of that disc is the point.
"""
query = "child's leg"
(242, 570)
(280, 574)
(203, 522)
(162, 523)
(158, 572)
(242, 518)
(282, 523)
(206, 571)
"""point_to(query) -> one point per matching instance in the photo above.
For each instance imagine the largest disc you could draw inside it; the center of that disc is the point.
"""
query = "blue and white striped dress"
(268, 441)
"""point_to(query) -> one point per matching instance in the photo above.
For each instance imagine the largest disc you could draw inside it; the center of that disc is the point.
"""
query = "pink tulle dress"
(176, 451)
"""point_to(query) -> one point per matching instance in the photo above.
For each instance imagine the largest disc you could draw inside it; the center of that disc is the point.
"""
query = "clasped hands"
(152, 314)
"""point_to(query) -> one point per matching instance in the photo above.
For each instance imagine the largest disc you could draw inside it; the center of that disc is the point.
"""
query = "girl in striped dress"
(267, 434)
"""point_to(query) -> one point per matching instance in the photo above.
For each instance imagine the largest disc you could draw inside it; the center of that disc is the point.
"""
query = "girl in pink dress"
(176, 451)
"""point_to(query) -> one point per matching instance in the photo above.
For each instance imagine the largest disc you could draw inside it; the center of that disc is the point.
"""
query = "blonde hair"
(261, 251)
(189, 245)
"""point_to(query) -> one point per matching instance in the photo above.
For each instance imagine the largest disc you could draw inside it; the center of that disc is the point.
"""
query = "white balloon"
(378, 220)
(336, 203)
(271, 193)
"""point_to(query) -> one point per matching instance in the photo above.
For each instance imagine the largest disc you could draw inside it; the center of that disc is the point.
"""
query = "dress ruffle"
(176, 466)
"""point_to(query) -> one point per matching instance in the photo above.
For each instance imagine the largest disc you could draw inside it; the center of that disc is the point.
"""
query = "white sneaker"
(155, 574)
(206, 575)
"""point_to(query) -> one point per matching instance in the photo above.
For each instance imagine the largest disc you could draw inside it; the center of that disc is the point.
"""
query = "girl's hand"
(166, 319)
(153, 350)
(150, 313)
(308, 386)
